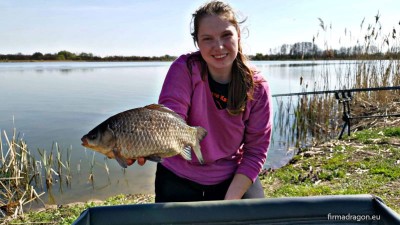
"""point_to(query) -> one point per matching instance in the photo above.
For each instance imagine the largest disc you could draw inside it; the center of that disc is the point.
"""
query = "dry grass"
(18, 171)
(317, 118)
(24, 178)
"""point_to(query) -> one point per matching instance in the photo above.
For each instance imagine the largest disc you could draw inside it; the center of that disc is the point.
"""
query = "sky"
(160, 27)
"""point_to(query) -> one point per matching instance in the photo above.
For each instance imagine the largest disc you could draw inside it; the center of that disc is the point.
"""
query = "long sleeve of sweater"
(234, 144)
(257, 133)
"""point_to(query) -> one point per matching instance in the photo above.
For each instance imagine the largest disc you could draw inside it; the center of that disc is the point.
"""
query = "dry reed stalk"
(20, 173)
(92, 164)
(316, 118)
(68, 176)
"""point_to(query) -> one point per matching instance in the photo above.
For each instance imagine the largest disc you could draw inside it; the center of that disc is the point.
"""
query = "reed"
(17, 171)
(317, 118)
(91, 169)
(22, 175)
(68, 176)
(107, 170)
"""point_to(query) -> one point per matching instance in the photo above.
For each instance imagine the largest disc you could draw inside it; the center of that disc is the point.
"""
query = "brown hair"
(242, 85)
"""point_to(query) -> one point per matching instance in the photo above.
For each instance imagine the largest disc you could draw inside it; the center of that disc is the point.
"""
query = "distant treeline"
(310, 51)
(297, 51)
(69, 56)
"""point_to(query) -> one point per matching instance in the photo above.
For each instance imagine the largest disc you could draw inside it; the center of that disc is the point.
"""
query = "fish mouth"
(84, 141)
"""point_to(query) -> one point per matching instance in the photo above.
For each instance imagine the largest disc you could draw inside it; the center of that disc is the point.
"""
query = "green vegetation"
(392, 132)
(369, 46)
(316, 118)
(67, 214)
(69, 56)
(351, 166)
(372, 45)
(15, 180)
(296, 51)
(310, 51)
(367, 162)
(24, 179)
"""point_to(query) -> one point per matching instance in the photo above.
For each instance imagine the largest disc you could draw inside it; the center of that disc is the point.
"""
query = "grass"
(17, 173)
(392, 132)
(366, 162)
(24, 179)
(354, 165)
(314, 118)
(67, 214)
(360, 164)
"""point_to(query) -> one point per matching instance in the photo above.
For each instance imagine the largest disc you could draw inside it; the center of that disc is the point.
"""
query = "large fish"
(153, 132)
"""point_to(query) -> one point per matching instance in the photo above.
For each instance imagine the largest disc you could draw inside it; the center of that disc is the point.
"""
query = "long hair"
(241, 87)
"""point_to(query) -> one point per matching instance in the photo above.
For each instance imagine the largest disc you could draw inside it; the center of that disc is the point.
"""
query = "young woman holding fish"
(216, 89)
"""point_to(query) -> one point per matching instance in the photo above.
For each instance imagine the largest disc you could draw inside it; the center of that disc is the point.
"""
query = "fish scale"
(153, 132)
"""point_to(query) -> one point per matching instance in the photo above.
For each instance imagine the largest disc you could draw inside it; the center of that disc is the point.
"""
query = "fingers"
(130, 161)
(141, 161)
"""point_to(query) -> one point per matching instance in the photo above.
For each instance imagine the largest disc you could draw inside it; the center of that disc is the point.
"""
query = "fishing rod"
(339, 91)
(344, 96)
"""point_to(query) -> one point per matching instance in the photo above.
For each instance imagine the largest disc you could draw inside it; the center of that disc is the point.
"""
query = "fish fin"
(187, 153)
(120, 159)
(163, 108)
(201, 133)
(154, 158)
(154, 106)
(197, 152)
(110, 154)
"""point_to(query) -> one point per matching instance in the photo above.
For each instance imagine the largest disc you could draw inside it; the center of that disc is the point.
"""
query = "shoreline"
(251, 60)
(367, 162)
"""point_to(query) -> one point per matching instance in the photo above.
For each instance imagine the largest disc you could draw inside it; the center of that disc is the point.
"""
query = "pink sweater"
(234, 144)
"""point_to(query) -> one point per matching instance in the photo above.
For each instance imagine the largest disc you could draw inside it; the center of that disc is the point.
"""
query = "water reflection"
(72, 66)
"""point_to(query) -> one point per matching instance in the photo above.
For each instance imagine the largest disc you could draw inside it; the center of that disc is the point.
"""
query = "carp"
(153, 132)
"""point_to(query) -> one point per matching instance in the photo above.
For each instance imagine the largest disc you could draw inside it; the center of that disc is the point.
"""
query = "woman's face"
(218, 41)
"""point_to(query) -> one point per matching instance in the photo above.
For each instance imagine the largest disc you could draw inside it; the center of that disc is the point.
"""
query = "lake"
(58, 102)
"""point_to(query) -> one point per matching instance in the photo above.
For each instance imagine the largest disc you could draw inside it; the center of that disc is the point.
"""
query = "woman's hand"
(141, 161)
(239, 185)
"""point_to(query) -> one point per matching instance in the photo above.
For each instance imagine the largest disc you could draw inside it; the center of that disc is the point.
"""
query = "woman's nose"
(219, 43)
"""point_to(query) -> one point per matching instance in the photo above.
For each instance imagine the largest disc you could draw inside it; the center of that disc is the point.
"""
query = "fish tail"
(201, 133)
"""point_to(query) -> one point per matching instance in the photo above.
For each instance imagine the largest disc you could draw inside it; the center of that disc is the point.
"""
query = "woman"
(216, 89)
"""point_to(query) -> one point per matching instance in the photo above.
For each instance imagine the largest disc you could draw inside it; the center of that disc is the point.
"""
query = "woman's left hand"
(239, 185)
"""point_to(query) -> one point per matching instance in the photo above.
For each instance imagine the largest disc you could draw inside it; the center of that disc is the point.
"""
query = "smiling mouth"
(220, 56)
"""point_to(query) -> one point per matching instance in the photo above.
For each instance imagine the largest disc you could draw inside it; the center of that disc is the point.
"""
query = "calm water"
(61, 101)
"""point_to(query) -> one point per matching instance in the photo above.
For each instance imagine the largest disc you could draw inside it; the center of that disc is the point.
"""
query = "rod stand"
(345, 97)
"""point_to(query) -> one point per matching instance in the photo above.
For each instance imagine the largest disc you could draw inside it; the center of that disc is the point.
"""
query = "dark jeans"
(171, 188)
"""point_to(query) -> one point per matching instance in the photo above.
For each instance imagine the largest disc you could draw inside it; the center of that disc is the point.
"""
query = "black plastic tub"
(335, 209)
